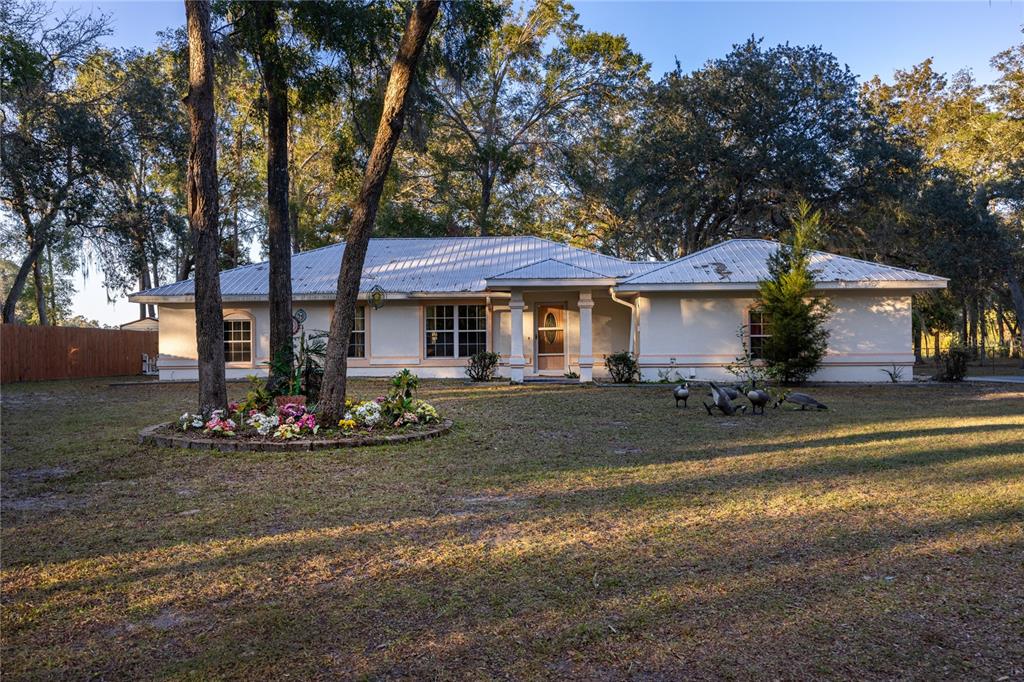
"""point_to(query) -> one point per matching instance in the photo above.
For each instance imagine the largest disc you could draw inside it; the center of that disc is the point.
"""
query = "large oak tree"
(421, 19)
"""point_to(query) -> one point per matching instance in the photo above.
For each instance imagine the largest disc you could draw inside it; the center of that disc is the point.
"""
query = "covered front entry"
(549, 348)
(552, 331)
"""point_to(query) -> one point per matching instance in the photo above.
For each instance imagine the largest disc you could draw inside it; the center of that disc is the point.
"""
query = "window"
(760, 329)
(455, 331)
(472, 322)
(357, 341)
(237, 341)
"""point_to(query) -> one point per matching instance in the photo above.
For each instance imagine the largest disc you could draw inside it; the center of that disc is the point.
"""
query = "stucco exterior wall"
(395, 335)
(693, 335)
(696, 335)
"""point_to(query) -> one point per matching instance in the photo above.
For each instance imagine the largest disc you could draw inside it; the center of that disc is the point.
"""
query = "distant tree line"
(518, 120)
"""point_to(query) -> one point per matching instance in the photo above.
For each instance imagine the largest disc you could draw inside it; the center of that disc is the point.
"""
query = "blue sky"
(870, 37)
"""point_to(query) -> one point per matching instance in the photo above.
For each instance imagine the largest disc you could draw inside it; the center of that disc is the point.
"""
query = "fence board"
(36, 353)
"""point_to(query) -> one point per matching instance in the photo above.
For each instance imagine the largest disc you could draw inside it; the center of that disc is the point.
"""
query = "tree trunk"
(18, 286)
(972, 327)
(1017, 296)
(965, 339)
(52, 284)
(278, 227)
(202, 207)
(983, 325)
(486, 192)
(332, 397)
(40, 283)
(142, 287)
(1000, 326)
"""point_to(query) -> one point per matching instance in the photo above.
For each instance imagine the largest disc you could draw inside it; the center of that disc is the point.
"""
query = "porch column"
(516, 361)
(586, 305)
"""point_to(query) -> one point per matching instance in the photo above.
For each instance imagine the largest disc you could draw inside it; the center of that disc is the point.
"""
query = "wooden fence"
(35, 353)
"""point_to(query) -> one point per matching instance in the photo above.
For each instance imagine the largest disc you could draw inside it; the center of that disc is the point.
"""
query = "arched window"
(238, 336)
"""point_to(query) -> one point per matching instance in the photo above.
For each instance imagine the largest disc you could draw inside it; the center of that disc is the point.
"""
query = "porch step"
(549, 380)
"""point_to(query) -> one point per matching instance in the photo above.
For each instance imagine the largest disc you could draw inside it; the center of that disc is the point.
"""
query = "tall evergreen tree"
(799, 335)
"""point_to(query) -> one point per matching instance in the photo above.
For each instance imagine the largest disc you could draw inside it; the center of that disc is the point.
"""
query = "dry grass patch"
(558, 532)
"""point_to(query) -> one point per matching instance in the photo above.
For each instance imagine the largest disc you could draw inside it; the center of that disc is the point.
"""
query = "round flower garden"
(263, 421)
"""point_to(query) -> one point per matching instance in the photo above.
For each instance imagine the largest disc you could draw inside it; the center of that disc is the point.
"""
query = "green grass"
(559, 531)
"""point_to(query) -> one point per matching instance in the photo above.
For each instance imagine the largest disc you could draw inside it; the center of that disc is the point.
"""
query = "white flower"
(367, 413)
(263, 423)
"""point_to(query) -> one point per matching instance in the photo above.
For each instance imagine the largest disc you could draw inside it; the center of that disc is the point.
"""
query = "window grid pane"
(455, 331)
(439, 326)
(237, 341)
(357, 340)
(472, 330)
(760, 329)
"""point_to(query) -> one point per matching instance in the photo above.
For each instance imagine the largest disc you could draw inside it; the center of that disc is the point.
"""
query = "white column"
(586, 305)
(516, 361)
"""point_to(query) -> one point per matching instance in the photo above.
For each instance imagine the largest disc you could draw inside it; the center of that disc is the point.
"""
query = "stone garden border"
(152, 435)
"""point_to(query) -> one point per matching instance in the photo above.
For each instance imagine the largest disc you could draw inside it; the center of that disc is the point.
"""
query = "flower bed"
(166, 435)
(265, 422)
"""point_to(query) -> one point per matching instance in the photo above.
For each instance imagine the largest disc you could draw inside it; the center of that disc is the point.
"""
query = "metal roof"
(745, 261)
(464, 264)
(412, 265)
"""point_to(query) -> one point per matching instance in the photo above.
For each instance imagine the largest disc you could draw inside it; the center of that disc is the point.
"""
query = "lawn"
(559, 531)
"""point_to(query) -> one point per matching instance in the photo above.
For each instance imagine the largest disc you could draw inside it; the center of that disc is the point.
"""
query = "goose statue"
(730, 392)
(681, 392)
(722, 401)
(758, 397)
(801, 399)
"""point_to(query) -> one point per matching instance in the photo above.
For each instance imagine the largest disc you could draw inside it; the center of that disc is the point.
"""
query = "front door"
(550, 339)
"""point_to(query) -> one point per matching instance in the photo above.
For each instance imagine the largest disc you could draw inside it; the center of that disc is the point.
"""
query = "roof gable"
(549, 268)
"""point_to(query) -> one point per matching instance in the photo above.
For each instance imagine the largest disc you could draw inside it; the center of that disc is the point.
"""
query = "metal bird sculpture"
(681, 392)
(758, 397)
(722, 401)
(730, 393)
(801, 399)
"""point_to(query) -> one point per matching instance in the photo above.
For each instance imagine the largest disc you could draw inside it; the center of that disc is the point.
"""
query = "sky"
(870, 37)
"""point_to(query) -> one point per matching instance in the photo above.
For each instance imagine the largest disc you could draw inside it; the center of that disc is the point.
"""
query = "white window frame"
(363, 332)
(751, 336)
(455, 331)
(241, 316)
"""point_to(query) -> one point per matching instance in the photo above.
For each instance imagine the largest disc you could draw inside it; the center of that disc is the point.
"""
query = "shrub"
(403, 384)
(623, 367)
(482, 366)
(954, 364)
(257, 397)
(895, 374)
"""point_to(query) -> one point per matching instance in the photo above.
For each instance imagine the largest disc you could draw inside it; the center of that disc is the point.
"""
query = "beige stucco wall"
(689, 334)
(695, 335)
(395, 335)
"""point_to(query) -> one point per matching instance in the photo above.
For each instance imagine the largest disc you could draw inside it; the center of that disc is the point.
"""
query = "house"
(549, 309)
(143, 324)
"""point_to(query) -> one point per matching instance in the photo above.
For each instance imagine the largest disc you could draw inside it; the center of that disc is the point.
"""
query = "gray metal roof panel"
(742, 261)
(410, 265)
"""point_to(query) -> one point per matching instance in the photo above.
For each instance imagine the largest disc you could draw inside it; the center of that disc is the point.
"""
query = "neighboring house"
(548, 309)
(143, 324)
